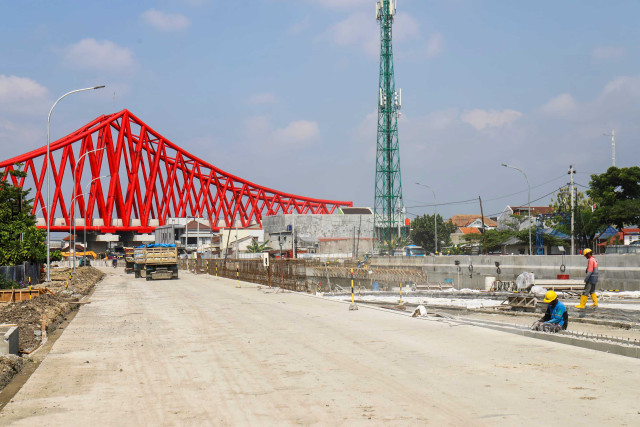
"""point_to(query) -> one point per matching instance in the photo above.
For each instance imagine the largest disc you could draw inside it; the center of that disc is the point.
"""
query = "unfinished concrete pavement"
(200, 351)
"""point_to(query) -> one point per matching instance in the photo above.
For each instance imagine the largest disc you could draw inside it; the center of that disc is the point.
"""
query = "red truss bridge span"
(133, 179)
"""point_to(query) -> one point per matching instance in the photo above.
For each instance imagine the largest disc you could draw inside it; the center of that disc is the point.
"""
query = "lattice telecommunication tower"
(388, 207)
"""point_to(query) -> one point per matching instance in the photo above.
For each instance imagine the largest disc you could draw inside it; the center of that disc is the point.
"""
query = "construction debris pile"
(48, 309)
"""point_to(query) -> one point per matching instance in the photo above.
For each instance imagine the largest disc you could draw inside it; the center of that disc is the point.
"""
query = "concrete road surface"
(199, 351)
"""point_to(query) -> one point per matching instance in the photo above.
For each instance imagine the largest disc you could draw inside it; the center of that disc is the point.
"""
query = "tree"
(256, 248)
(20, 239)
(423, 232)
(585, 228)
(616, 194)
(493, 240)
(388, 246)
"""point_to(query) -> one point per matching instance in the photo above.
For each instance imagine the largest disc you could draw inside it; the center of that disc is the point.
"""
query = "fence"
(623, 249)
(306, 275)
(286, 274)
(22, 273)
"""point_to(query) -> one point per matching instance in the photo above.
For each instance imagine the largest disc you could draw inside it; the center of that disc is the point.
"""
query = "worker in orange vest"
(590, 280)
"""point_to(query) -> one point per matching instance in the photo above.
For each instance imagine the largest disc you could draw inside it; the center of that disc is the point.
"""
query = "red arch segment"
(150, 179)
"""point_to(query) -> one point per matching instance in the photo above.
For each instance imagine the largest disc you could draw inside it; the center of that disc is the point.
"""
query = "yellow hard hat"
(586, 251)
(550, 296)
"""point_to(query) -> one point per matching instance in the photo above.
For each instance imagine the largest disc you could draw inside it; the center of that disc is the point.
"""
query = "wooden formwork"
(15, 295)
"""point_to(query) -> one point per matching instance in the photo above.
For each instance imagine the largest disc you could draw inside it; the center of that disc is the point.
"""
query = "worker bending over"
(590, 280)
(556, 317)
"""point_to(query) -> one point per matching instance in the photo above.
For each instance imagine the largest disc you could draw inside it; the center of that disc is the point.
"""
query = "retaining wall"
(616, 271)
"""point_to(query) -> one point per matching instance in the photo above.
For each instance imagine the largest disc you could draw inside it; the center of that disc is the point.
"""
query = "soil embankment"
(52, 309)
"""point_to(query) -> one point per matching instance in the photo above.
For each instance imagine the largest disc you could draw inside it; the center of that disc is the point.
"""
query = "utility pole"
(388, 183)
(293, 235)
(571, 172)
(484, 237)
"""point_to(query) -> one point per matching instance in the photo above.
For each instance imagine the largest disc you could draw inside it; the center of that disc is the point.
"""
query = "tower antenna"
(388, 205)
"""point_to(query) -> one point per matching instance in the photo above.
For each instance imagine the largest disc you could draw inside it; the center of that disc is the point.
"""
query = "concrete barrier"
(9, 343)
(617, 271)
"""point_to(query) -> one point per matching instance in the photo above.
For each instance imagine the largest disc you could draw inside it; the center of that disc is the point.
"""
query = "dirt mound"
(28, 314)
(10, 365)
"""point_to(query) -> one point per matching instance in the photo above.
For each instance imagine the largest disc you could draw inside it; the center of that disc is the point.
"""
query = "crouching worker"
(556, 318)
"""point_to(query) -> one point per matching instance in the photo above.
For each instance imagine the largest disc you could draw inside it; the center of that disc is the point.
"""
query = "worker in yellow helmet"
(556, 317)
(590, 280)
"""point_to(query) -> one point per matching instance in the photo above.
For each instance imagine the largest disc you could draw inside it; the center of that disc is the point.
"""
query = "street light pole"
(74, 231)
(435, 214)
(72, 214)
(47, 160)
(528, 199)
(84, 252)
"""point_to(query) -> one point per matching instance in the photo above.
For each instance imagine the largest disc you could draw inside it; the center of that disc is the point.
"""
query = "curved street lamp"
(72, 214)
(528, 200)
(47, 161)
(435, 214)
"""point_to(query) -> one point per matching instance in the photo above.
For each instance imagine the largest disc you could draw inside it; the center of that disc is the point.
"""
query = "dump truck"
(128, 260)
(156, 261)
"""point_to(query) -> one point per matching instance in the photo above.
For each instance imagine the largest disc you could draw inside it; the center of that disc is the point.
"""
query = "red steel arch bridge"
(132, 179)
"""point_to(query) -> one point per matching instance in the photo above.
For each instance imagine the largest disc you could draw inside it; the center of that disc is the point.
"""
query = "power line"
(474, 200)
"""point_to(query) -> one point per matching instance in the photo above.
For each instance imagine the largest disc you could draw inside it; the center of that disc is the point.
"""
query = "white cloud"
(357, 29)
(21, 95)
(435, 44)
(195, 3)
(100, 55)
(343, 4)
(20, 137)
(624, 85)
(481, 119)
(257, 127)
(299, 133)
(299, 26)
(259, 131)
(560, 105)
(405, 27)
(607, 53)
(263, 98)
(165, 21)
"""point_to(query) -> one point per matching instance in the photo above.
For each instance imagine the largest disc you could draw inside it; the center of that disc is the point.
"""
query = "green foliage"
(7, 283)
(617, 196)
(54, 255)
(423, 232)
(20, 240)
(493, 240)
(561, 203)
(256, 247)
(389, 245)
(585, 228)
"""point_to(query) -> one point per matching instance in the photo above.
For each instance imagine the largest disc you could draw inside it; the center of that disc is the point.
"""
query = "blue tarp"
(158, 245)
(609, 232)
(556, 233)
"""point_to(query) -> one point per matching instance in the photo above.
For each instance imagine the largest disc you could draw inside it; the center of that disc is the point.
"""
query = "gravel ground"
(201, 351)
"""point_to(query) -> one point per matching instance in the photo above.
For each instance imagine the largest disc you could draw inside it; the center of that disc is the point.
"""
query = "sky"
(283, 93)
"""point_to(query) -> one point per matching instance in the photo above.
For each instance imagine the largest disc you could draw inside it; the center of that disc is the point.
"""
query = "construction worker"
(556, 316)
(590, 280)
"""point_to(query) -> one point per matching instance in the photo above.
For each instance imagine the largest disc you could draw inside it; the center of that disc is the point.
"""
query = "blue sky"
(283, 92)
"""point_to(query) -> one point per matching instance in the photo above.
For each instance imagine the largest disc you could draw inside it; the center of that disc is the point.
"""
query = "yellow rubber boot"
(583, 302)
(594, 297)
